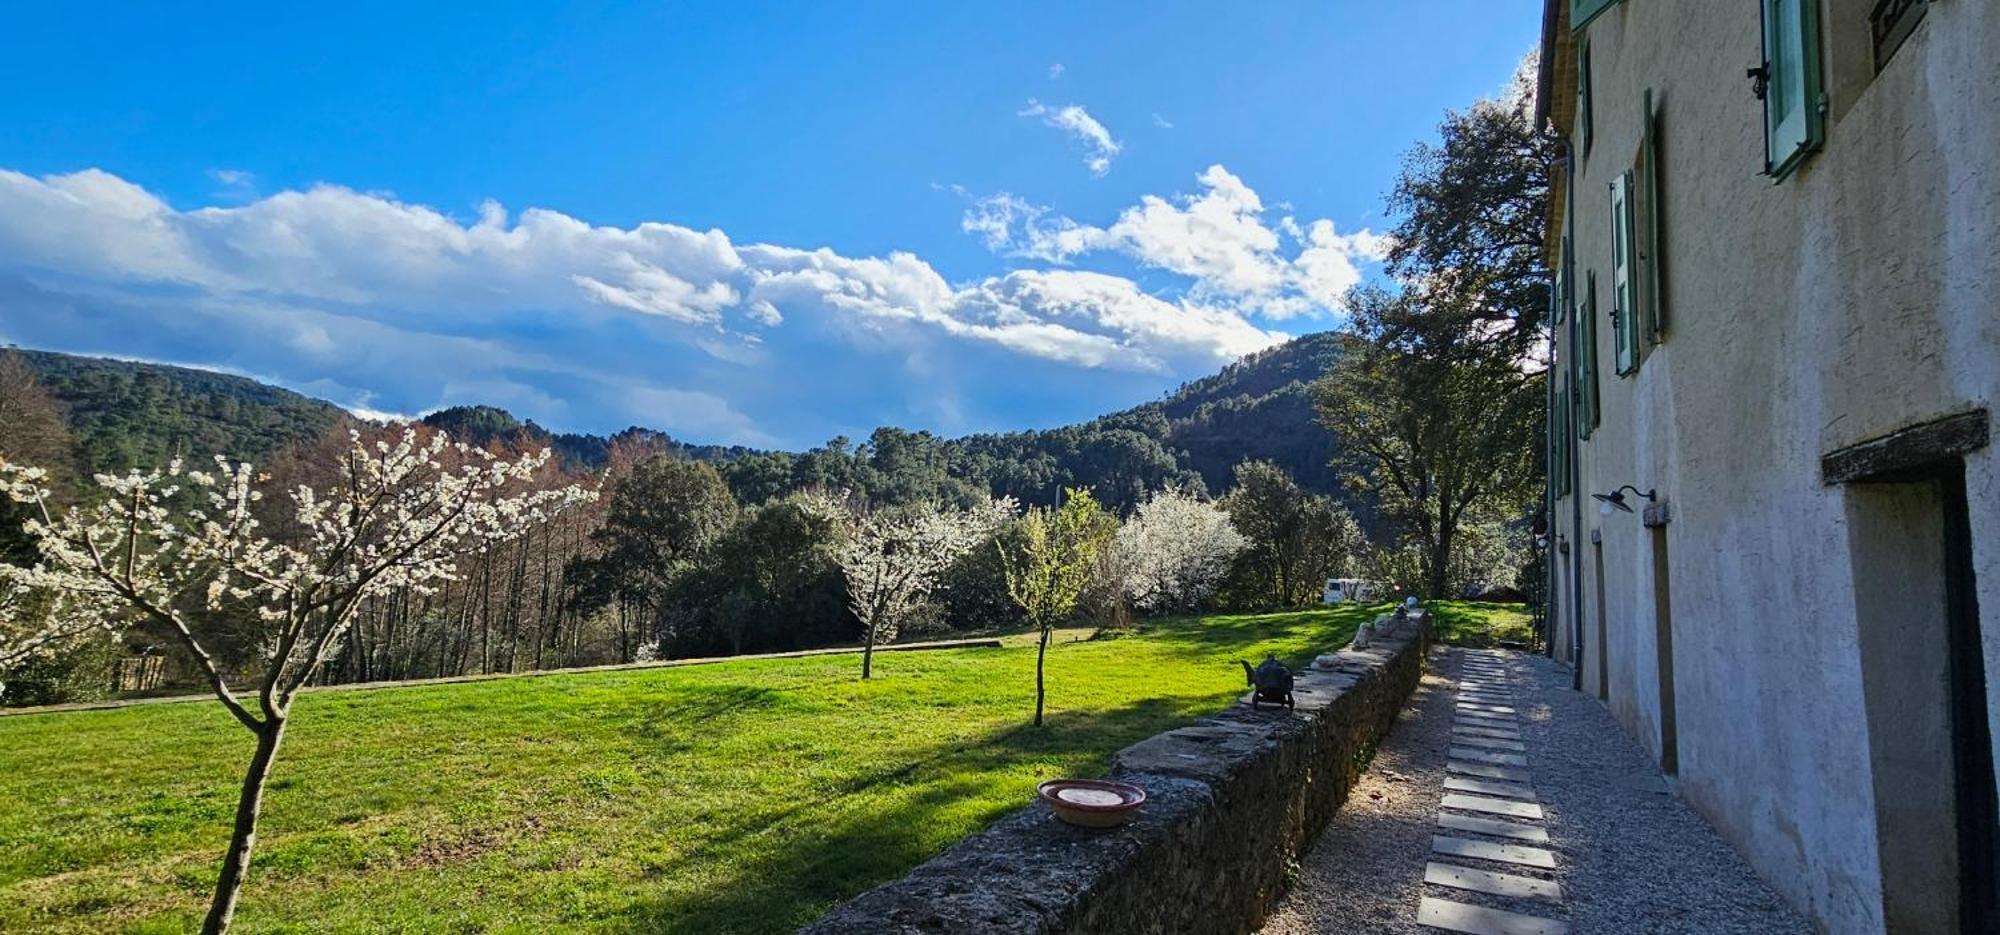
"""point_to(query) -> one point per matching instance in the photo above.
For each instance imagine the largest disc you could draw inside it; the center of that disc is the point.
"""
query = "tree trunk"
(868, 652)
(236, 862)
(1041, 653)
(1440, 563)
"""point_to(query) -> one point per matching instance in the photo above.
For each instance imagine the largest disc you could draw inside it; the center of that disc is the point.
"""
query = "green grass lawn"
(747, 796)
(1479, 623)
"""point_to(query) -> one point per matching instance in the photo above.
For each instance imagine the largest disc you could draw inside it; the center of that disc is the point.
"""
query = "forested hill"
(124, 414)
(1257, 408)
(127, 414)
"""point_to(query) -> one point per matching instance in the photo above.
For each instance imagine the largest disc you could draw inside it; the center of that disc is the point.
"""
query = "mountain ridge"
(127, 413)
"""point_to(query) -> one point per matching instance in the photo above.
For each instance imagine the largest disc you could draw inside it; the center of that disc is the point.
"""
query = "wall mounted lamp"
(1616, 498)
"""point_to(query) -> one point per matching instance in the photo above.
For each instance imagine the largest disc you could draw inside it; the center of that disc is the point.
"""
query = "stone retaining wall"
(1231, 803)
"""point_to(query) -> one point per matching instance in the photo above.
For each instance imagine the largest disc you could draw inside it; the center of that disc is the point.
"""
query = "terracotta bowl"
(1092, 803)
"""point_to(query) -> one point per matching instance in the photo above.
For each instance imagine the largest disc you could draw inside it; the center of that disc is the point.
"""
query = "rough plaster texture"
(1231, 803)
(1852, 299)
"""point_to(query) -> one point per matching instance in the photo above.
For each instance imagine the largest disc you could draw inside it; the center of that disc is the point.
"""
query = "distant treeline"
(126, 414)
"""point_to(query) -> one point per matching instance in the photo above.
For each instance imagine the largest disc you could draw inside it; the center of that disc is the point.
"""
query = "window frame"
(1583, 360)
(1787, 146)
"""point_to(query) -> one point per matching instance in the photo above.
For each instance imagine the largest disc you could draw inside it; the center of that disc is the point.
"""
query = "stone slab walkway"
(1506, 804)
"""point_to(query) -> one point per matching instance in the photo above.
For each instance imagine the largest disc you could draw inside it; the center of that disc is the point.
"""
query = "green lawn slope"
(1481, 623)
(740, 797)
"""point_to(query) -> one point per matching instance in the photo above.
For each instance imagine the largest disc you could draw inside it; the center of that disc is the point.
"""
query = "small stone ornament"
(1272, 681)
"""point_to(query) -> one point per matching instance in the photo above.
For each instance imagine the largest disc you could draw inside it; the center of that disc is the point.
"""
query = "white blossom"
(1175, 551)
(895, 559)
(396, 517)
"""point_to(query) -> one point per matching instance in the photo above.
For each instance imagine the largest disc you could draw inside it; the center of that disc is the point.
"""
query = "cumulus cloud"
(389, 305)
(1099, 148)
(1218, 238)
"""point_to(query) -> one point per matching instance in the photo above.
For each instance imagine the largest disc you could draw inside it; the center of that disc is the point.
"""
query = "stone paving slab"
(1478, 803)
(1487, 770)
(1494, 827)
(1512, 790)
(1476, 717)
(1486, 881)
(1491, 743)
(1482, 730)
(1479, 920)
(1482, 698)
(1538, 857)
(1465, 706)
(1485, 756)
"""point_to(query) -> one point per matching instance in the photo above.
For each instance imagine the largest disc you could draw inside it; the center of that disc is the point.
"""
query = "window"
(1581, 12)
(1794, 104)
(1583, 360)
(1650, 229)
(1890, 23)
(1583, 131)
(1624, 278)
(1559, 292)
(1559, 429)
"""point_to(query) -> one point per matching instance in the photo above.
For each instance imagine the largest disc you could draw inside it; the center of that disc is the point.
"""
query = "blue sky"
(756, 223)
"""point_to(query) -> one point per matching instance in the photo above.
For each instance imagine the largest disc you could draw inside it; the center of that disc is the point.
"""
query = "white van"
(1342, 590)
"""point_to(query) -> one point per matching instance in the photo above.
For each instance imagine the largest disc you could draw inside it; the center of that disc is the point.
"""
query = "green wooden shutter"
(1583, 128)
(1581, 12)
(1559, 428)
(1586, 357)
(1793, 122)
(1651, 230)
(1624, 278)
(1559, 293)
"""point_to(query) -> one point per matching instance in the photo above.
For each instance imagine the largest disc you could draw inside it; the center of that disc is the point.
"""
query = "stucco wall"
(1852, 299)
(1231, 802)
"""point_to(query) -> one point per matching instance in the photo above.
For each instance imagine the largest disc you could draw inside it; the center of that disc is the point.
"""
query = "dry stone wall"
(1231, 802)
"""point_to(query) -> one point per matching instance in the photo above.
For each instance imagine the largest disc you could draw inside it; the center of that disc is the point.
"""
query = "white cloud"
(1055, 71)
(1218, 239)
(392, 306)
(1099, 147)
(1162, 122)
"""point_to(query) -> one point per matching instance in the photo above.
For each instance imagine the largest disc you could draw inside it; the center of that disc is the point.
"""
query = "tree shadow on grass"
(674, 723)
(777, 869)
(1320, 630)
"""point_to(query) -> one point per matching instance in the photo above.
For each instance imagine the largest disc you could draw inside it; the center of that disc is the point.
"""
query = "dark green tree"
(1472, 211)
(1293, 541)
(1432, 432)
(663, 518)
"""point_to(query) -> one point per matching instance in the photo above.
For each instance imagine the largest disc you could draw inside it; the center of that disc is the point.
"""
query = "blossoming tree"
(184, 550)
(895, 559)
(1175, 551)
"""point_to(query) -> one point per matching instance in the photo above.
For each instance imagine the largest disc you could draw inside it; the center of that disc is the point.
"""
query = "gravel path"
(1366, 872)
(1629, 856)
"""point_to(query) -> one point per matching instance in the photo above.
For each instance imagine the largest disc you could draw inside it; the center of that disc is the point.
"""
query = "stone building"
(1775, 232)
